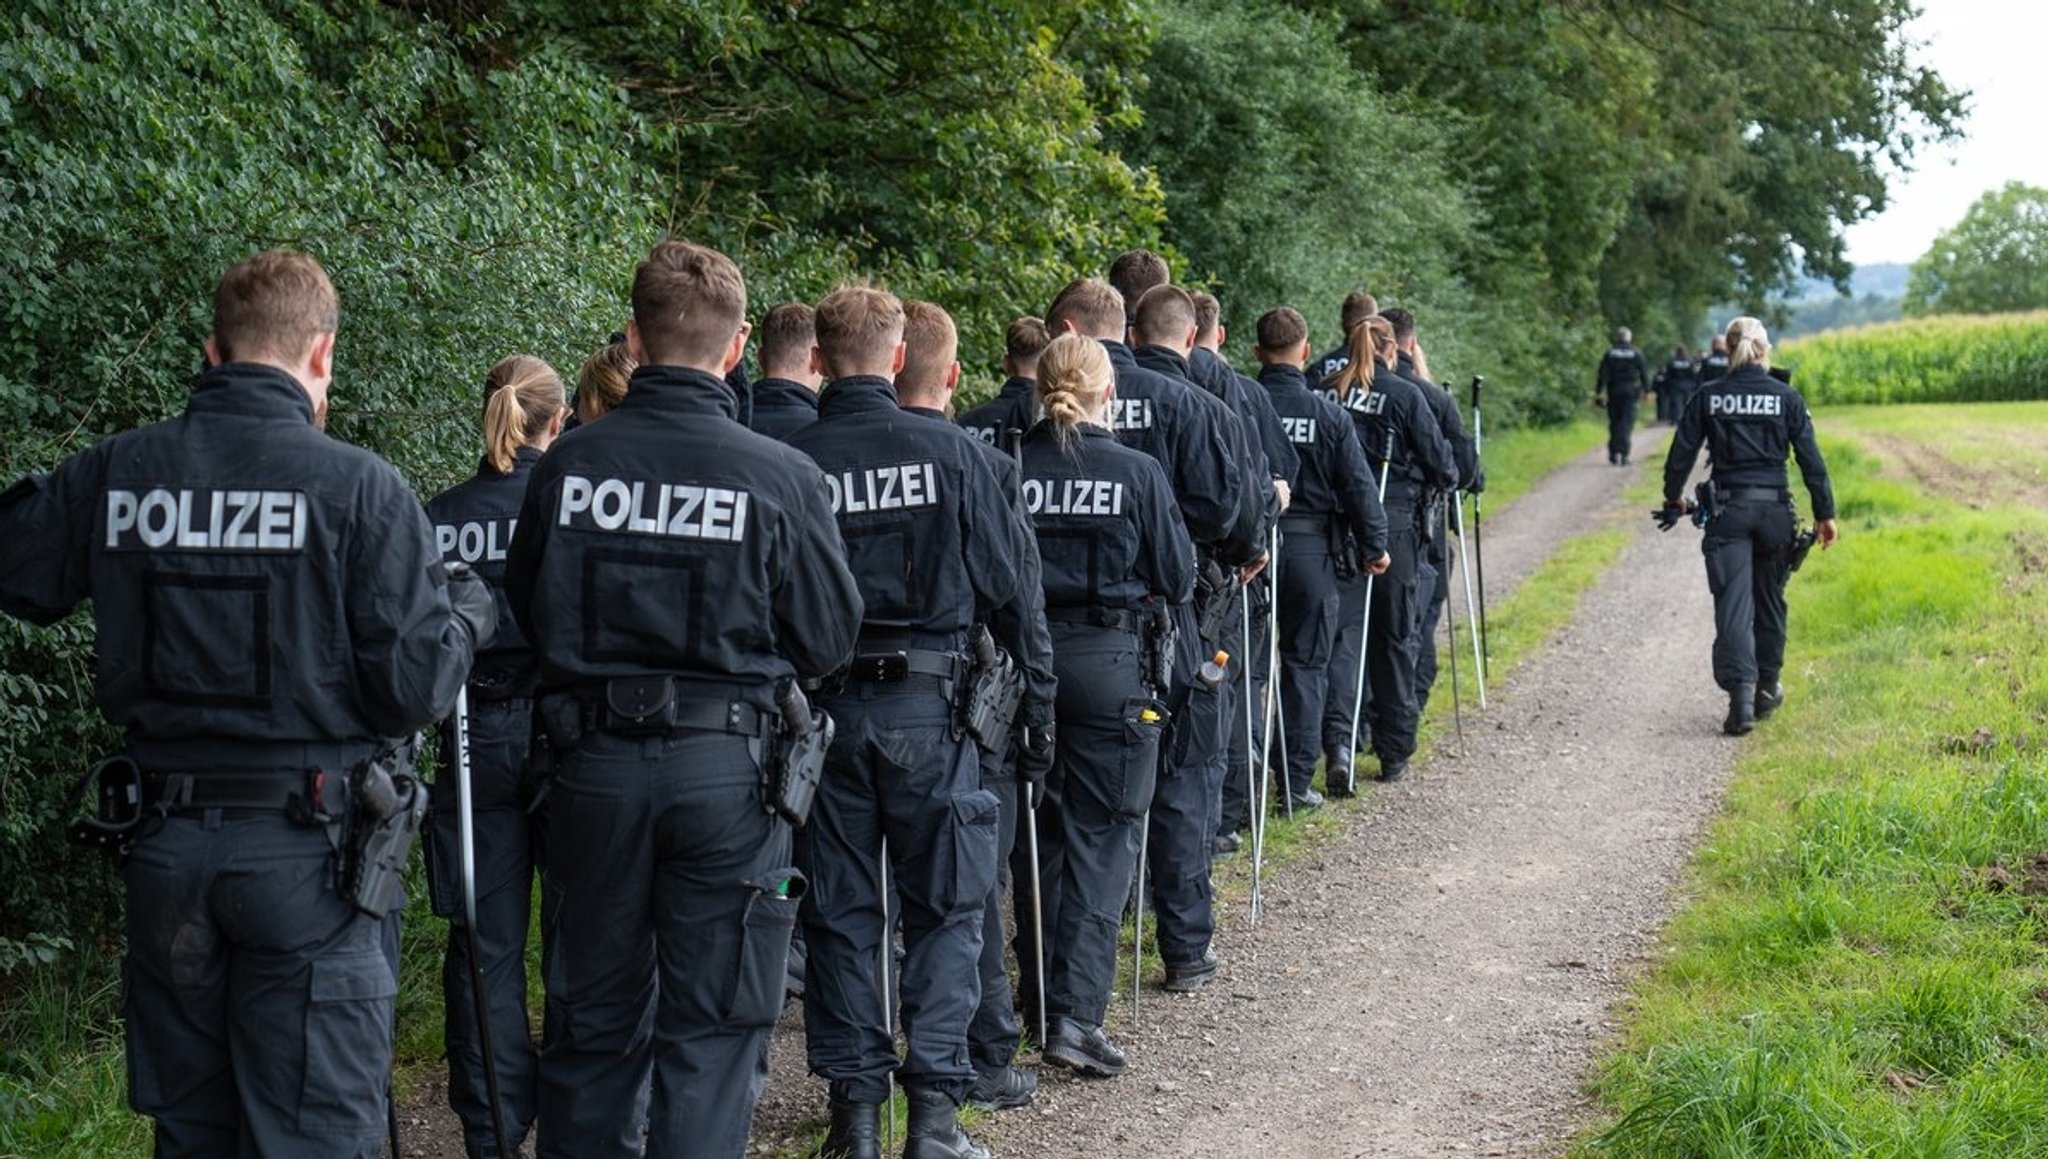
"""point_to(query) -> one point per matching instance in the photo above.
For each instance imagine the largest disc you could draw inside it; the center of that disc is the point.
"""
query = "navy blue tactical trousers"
(1101, 784)
(507, 845)
(258, 1002)
(1341, 693)
(677, 901)
(1309, 606)
(1433, 582)
(896, 773)
(1390, 651)
(1745, 547)
(1250, 671)
(993, 1034)
(1183, 821)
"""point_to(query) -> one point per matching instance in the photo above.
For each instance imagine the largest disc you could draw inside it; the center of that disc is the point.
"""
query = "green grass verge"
(62, 1080)
(1863, 966)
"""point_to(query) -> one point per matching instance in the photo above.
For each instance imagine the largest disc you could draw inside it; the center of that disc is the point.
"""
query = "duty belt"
(1752, 494)
(890, 667)
(175, 792)
(641, 705)
(1126, 619)
(1313, 521)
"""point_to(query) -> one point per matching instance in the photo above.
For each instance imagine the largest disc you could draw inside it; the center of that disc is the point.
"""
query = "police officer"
(1433, 565)
(1748, 421)
(934, 544)
(473, 522)
(786, 397)
(1623, 377)
(1713, 364)
(1187, 801)
(674, 571)
(269, 604)
(931, 372)
(1002, 420)
(601, 384)
(1384, 404)
(1675, 384)
(1357, 307)
(1116, 555)
(1337, 494)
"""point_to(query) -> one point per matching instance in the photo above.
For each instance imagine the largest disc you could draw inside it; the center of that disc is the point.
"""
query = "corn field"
(1948, 358)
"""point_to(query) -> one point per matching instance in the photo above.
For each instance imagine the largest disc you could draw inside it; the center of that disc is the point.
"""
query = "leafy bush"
(1952, 358)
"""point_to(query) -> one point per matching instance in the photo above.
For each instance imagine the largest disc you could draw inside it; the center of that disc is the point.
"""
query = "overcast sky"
(1992, 48)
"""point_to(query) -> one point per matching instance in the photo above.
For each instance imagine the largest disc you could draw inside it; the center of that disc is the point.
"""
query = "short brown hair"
(688, 302)
(931, 345)
(273, 306)
(1208, 312)
(1282, 329)
(1402, 320)
(1024, 341)
(787, 334)
(859, 326)
(1095, 308)
(1358, 306)
(1134, 273)
(1165, 315)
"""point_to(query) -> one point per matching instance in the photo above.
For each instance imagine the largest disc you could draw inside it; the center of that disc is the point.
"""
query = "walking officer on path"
(1384, 405)
(1749, 421)
(1002, 420)
(786, 397)
(931, 371)
(1623, 377)
(1713, 364)
(1336, 509)
(675, 571)
(1116, 556)
(1675, 384)
(934, 544)
(524, 405)
(270, 608)
(1187, 802)
(1433, 566)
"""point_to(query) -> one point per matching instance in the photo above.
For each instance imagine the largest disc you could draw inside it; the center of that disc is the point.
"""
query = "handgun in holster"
(1158, 642)
(118, 808)
(1215, 600)
(1703, 504)
(804, 735)
(994, 689)
(1343, 551)
(1797, 550)
(387, 806)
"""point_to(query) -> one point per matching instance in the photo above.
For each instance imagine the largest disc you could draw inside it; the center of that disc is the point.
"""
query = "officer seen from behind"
(1623, 377)
(524, 406)
(1675, 384)
(934, 544)
(1002, 420)
(1749, 421)
(675, 571)
(786, 397)
(269, 606)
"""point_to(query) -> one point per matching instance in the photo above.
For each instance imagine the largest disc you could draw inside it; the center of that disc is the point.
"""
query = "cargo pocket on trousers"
(971, 832)
(1144, 725)
(441, 856)
(347, 1045)
(755, 986)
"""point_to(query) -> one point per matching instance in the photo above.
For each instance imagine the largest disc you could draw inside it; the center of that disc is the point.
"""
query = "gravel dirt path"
(1438, 978)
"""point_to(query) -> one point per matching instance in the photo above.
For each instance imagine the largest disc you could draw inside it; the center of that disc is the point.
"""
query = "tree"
(1992, 261)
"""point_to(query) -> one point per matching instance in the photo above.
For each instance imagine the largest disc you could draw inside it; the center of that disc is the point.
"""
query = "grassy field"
(62, 1092)
(1862, 965)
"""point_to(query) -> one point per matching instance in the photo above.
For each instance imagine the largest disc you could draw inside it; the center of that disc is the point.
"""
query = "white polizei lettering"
(445, 536)
(1099, 497)
(985, 434)
(893, 488)
(669, 510)
(1299, 430)
(482, 541)
(1745, 404)
(1367, 402)
(204, 520)
(576, 493)
(1130, 414)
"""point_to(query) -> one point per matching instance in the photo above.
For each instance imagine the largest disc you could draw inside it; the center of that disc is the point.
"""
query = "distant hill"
(1876, 294)
(1882, 280)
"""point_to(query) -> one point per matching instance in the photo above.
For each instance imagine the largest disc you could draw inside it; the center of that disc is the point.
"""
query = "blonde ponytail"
(1748, 344)
(1074, 375)
(1371, 345)
(522, 397)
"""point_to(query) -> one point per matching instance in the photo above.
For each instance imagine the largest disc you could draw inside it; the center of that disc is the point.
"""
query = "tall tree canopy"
(1992, 261)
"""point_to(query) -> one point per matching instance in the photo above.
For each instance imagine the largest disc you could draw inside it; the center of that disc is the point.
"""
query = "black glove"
(1668, 517)
(470, 597)
(1476, 484)
(1034, 761)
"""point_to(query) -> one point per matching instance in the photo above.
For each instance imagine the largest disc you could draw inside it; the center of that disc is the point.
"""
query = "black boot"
(934, 1131)
(856, 1132)
(1768, 700)
(1741, 710)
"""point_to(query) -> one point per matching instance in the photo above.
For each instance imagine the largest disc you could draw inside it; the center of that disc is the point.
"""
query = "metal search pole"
(465, 824)
(1364, 640)
(1478, 544)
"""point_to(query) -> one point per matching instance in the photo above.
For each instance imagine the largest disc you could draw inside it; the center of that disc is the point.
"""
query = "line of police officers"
(641, 607)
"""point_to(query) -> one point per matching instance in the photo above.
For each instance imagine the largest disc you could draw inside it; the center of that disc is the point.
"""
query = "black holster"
(1157, 644)
(1215, 601)
(1797, 550)
(118, 808)
(1704, 504)
(798, 763)
(387, 805)
(994, 689)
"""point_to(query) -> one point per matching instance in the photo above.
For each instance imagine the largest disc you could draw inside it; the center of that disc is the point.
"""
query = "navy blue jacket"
(1334, 483)
(1002, 419)
(1109, 529)
(1749, 421)
(782, 408)
(473, 523)
(1421, 457)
